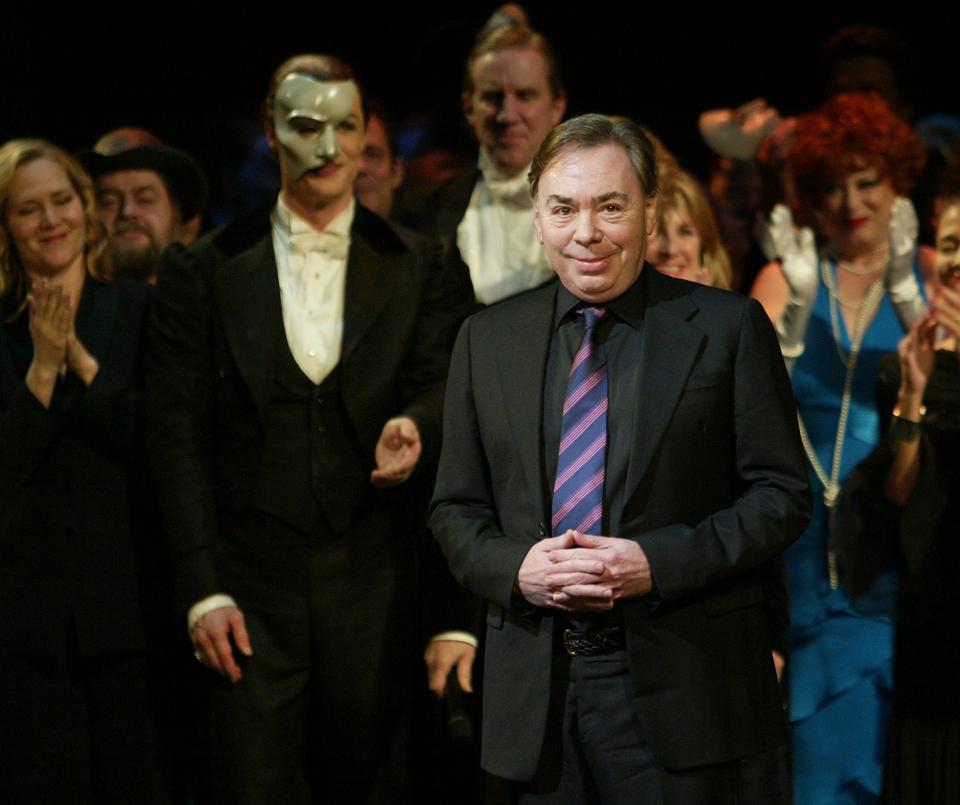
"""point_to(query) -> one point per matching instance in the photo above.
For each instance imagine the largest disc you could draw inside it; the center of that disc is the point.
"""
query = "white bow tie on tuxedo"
(513, 192)
(331, 244)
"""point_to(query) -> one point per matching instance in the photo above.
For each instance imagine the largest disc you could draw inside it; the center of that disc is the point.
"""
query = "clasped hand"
(56, 347)
(583, 573)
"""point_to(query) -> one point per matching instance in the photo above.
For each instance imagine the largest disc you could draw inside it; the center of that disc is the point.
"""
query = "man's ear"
(270, 133)
(650, 213)
(190, 229)
(537, 223)
(558, 108)
(466, 101)
(396, 178)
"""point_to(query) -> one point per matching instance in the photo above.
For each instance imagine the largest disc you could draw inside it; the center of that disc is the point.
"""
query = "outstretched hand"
(397, 453)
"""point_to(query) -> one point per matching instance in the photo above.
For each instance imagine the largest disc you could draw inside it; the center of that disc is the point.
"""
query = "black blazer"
(213, 342)
(440, 213)
(67, 552)
(716, 488)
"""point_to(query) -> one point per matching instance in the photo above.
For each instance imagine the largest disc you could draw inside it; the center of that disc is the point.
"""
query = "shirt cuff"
(205, 605)
(456, 637)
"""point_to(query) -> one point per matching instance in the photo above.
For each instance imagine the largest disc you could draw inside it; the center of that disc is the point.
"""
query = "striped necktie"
(578, 488)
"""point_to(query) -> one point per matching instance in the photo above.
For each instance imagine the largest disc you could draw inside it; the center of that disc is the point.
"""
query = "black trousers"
(321, 711)
(603, 756)
(76, 731)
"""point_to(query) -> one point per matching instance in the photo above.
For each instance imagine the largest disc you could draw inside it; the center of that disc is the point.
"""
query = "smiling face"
(318, 131)
(593, 220)
(511, 108)
(948, 245)
(45, 219)
(676, 247)
(854, 211)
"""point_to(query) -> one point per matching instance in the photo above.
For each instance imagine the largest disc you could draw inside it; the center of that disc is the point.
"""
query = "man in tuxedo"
(513, 95)
(620, 464)
(296, 376)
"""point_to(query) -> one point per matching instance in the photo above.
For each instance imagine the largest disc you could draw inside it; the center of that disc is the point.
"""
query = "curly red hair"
(850, 132)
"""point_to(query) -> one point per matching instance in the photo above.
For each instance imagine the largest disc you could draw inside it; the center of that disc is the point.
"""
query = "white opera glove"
(794, 247)
(901, 282)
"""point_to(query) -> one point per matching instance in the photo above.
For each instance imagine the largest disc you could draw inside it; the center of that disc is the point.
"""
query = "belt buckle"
(567, 634)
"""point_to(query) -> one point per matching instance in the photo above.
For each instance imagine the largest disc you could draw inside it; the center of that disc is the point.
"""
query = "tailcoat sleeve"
(180, 406)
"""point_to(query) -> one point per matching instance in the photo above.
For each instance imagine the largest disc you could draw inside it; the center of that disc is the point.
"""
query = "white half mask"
(306, 113)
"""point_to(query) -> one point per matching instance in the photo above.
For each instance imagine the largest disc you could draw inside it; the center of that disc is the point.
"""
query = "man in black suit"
(296, 376)
(633, 667)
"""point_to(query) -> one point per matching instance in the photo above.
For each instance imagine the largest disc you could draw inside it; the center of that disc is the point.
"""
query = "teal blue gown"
(841, 665)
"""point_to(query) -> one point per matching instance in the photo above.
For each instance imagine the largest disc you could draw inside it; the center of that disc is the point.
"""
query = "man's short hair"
(515, 37)
(592, 131)
(320, 66)
(376, 108)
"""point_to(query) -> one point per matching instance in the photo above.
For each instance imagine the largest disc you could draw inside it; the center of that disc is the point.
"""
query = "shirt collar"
(493, 175)
(292, 224)
(627, 307)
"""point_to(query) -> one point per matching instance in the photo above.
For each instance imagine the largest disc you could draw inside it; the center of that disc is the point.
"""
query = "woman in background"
(839, 297)
(73, 715)
(917, 470)
(686, 242)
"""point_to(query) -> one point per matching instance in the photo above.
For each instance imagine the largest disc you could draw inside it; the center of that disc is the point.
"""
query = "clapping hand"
(51, 320)
(916, 352)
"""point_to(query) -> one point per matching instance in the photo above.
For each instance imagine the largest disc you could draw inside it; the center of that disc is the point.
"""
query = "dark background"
(197, 83)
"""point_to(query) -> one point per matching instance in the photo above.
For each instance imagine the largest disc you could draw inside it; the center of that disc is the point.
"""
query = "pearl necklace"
(831, 483)
(882, 249)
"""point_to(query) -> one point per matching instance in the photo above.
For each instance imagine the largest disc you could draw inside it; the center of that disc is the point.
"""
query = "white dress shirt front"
(497, 237)
(312, 272)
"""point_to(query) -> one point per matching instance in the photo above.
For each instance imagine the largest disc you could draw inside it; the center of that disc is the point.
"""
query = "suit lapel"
(521, 366)
(249, 295)
(669, 345)
(371, 278)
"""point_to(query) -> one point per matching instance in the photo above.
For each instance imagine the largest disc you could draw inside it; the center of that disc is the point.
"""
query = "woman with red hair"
(844, 288)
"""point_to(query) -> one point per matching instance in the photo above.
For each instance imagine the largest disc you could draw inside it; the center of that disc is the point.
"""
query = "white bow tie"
(331, 244)
(513, 192)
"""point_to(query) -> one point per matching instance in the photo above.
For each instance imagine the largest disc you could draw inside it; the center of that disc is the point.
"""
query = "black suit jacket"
(440, 213)
(213, 346)
(68, 560)
(716, 488)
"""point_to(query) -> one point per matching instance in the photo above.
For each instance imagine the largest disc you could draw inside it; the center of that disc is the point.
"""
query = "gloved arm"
(794, 248)
(901, 281)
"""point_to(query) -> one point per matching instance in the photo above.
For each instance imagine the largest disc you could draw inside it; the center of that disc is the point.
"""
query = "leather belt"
(598, 641)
